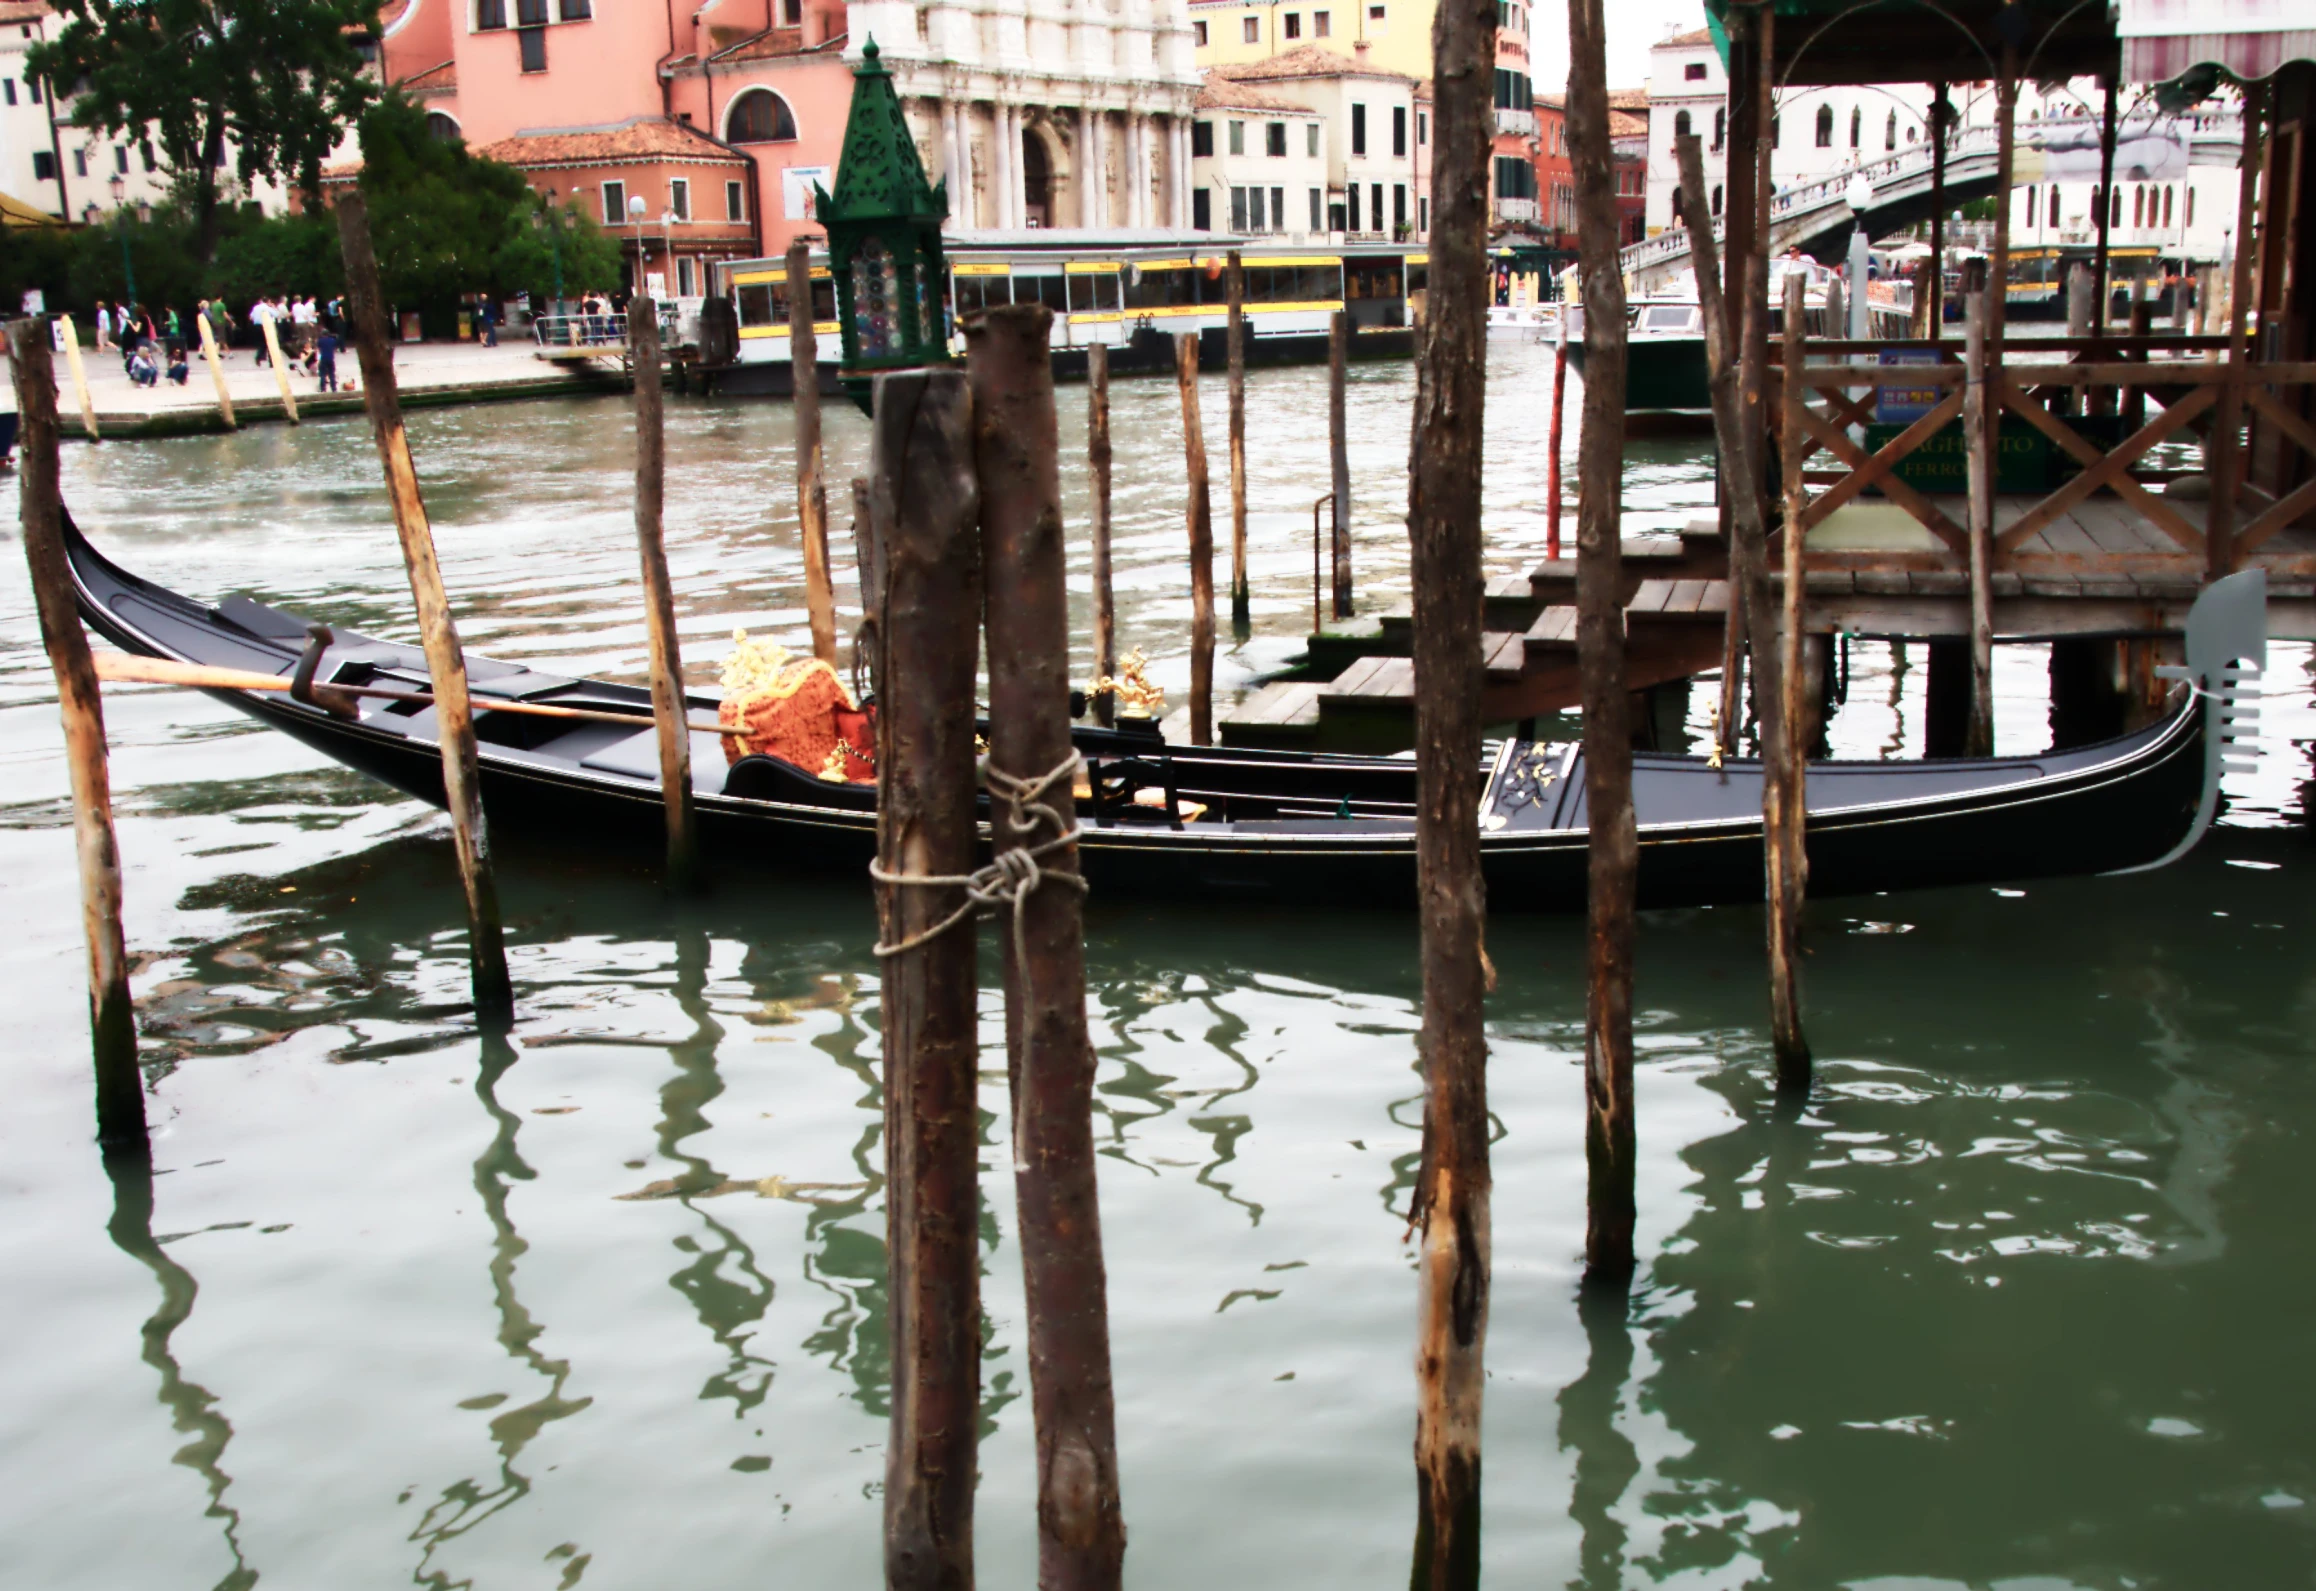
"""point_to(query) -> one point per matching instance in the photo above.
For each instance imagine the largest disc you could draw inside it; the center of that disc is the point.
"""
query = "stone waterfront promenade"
(427, 374)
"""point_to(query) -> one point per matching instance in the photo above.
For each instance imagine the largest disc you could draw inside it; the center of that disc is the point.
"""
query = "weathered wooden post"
(811, 491)
(1241, 611)
(2079, 400)
(1098, 461)
(216, 370)
(120, 1086)
(289, 402)
(88, 420)
(2103, 220)
(1784, 793)
(2134, 405)
(1017, 451)
(924, 497)
(869, 564)
(668, 706)
(1941, 128)
(2225, 450)
(1552, 439)
(1200, 514)
(1339, 454)
(1751, 595)
(1450, 1207)
(1981, 414)
(494, 998)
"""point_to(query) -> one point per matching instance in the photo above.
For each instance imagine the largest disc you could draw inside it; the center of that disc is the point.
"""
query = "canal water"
(2021, 1299)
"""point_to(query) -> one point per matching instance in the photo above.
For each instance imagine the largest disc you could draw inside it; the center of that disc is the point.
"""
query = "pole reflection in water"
(1607, 1463)
(191, 1406)
(467, 1503)
(723, 1283)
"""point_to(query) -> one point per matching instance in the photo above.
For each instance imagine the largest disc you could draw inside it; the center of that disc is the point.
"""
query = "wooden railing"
(2198, 397)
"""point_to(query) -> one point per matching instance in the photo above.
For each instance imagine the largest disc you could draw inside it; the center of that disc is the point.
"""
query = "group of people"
(310, 334)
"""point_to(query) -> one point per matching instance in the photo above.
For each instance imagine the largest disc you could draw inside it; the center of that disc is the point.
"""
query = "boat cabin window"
(1051, 291)
(970, 293)
(766, 303)
(756, 304)
(1168, 284)
(1374, 279)
(1669, 317)
(1092, 293)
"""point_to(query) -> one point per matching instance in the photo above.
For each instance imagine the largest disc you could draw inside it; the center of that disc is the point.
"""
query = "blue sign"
(1903, 405)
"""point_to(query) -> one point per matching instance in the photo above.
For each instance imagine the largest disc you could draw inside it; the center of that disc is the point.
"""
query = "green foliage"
(276, 80)
(446, 222)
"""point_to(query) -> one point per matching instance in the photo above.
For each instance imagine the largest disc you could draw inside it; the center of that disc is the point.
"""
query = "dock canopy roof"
(2245, 39)
(1821, 42)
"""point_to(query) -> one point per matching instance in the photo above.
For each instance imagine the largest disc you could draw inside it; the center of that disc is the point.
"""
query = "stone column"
(1180, 154)
(1137, 170)
(1089, 166)
(954, 163)
(1001, 158)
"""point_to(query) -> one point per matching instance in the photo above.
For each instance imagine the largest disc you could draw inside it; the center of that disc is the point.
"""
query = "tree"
(276, 80)
(447, 221)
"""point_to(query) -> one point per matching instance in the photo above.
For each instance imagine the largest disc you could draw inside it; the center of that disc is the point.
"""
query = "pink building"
(718, 123)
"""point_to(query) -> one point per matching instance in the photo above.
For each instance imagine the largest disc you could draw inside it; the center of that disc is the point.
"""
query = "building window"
(121, 159)
(1351, 201)
(1681, 126)
(80, 162)
(1251, 30)
(32, 89)
(2115, 208)
(1322, 24)
(1318, 211)
(490, 14)
(1720, 129)
(1890, 132)
(735, 202)
(760, 117)
(1423, 215)
(1716, 198)
(2167, 204)
(534, 48)
(1202, 140)
(1777, 132)
(2191, 204)
(1238, 138)
(43, 166)
(1254, 210)
(684, 277)
(441, 127)
(1358, 131)
(1278, 209)
(1422, 127)
(1825, 127)
(1202, 210)
(1857, 125)
(1398, 207)
(792, 13)
(1238, 209)
(1515, 178)
(1399, 131)
(1294, 28)
(615, 204)
(530, 13)
(1694, 72)
(8, 89)
(1375, 206)
(2030, 203)
(2051, 211)
(679, 197)
(1198, 34)
(576, 10)
(145, 154)
(1275, 140)
(1311, 140)
(1375, 21)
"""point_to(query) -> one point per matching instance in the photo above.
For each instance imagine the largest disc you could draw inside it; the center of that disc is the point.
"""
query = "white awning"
(2249, 39)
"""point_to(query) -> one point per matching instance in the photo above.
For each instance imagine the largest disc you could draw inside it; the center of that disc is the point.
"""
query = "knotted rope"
(1015, 874)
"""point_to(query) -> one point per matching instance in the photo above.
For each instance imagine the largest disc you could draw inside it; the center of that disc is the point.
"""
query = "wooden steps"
(1283, 716)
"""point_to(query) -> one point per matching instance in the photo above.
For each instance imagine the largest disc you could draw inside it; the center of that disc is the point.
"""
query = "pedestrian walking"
(104, 324)
(326, 350)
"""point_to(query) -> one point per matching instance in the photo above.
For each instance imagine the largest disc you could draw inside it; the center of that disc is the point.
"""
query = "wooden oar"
(124, 669)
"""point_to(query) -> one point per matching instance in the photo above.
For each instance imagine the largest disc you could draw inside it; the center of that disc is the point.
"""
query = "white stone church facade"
(1058, 113)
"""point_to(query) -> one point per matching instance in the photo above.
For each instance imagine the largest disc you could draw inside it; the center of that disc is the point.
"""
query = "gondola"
(1227, 824)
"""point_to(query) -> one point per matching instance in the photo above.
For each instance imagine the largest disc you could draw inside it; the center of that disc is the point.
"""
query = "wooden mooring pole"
(1241, 611)
(88, 419)
(1017, 451)
(1339, 455)
(1552, 439)
(216, 370)
(1614, 843)
(923, 494)
(869, 565)
(1784, 798)
(1200, 514)
(668, 707)
(494, 998)
(1450, 1208)
(281, 381)
(1098, 463)
(811, 490)
(120, 1086)
(2224, 452)
(1981, 414)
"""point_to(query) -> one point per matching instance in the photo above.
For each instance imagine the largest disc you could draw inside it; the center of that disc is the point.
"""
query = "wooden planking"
(1503, 655)
(1651, 597)
(1554, 627)
(1285, 702)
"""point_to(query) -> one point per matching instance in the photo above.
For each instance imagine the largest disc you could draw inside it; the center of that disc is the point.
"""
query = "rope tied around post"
(1015, 874)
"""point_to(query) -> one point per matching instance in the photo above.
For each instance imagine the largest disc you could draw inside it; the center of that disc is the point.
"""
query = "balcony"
(1516, 123)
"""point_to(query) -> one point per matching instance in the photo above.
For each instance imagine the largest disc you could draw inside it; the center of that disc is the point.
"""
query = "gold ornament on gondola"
(1136, 696)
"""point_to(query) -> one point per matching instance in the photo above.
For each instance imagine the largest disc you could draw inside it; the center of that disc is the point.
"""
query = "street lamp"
(120, 217)
(635, 213)
(884, 239)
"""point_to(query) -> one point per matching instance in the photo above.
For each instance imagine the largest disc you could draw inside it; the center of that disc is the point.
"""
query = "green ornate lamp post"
(884, 239)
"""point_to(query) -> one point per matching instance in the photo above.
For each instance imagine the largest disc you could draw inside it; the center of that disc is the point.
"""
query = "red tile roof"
(1309, 60)
(441, 78)
(773, 44)
(1220, 93)
(25, 10)
(1699, 36)
(648, 139)
(1632, 99)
